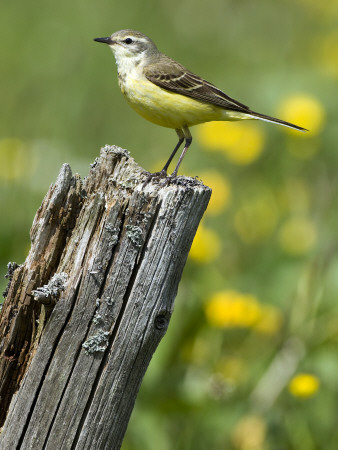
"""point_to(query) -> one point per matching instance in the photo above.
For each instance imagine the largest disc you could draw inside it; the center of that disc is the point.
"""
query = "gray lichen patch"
(50, 292)
(97, 319)
(114, 232)
(134, 233)
(96, 343)
(109, 301)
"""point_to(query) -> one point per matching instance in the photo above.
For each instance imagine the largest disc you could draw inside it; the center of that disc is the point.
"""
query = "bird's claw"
(154, 176)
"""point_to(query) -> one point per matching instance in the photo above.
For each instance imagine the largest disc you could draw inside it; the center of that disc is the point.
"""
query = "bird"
(164, 92)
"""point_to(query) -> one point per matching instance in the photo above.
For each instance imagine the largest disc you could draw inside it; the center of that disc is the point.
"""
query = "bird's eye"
(128, 41)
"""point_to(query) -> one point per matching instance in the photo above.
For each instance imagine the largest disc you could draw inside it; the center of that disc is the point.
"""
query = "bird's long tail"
(274, 120)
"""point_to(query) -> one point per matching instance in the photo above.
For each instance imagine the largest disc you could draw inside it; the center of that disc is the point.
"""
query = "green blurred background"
(250, 358)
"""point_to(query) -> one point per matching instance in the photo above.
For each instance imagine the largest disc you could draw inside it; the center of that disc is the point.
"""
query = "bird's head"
(130, 44)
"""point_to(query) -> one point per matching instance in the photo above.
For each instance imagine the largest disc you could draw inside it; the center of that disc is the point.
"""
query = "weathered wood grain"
(19, 327)
(124, 246)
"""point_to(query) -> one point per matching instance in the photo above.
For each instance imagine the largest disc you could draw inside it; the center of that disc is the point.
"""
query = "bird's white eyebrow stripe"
(138, 39)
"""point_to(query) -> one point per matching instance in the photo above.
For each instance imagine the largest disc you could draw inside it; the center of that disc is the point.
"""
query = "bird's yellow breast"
(166, 108)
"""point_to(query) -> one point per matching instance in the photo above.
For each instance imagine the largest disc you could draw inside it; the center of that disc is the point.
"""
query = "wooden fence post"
(87, 309)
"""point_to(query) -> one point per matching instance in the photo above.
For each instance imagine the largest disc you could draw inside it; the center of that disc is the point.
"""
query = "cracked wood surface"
(121, 247)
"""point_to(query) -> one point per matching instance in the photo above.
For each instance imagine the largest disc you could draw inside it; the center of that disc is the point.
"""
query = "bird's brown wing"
(172, 76)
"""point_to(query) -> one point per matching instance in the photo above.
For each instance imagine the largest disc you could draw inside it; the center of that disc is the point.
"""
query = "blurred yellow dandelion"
(305, 111)
(242, 142)
(232, 309)
(256, 219)
(212, 135)
(221, 191)
(249, 433)
(206, 246)
(304, 385)
(297, 236)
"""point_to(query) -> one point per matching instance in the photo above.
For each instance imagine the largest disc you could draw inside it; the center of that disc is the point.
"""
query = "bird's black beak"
(106, 40)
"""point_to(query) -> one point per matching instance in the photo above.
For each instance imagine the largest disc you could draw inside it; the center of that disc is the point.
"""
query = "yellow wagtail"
(166, 93)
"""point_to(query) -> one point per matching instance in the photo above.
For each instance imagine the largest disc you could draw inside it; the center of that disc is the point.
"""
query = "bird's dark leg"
(163, 172)
(188, 140)
(180, 135)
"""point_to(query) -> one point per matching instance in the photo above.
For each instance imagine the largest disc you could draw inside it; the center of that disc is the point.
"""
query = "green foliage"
(249, 361)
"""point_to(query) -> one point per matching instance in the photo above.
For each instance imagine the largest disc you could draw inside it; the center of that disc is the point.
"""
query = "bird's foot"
(155, 176)
(170, 178)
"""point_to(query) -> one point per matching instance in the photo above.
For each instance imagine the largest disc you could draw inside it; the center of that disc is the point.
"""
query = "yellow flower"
(212, 135)
(256, 219)
(305, 111)
(242, 142)
(221, 191)
(297, 236)
(304, 385)
(206, 246)
(232, 309)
